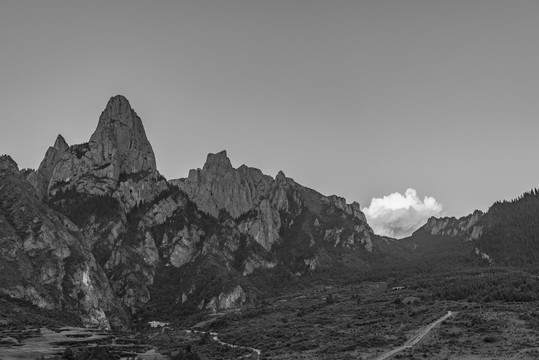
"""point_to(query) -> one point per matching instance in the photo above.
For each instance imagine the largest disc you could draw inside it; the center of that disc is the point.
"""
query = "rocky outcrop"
(144, 187)
(352, 209)
(40, 179)
(44, 258)
(226, 301)
(258, 201)
(218, 186)
(120, 140)
(117, 147)
(8, 166)
(466, 226)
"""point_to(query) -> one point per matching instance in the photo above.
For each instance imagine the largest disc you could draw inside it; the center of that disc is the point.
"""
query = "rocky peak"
(120, 139)
(280, 178)
(60, 144)
(7, 164)
(218, 163)
(117, 146)
(40, 179)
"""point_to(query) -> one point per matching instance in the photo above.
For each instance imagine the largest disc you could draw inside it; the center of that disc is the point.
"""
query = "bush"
(492, 338)
(188, 354)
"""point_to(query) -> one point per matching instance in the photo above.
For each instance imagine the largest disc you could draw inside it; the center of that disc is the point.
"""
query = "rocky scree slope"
(214, 240)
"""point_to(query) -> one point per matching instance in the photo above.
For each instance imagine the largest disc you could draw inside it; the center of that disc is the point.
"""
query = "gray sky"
(355, 98)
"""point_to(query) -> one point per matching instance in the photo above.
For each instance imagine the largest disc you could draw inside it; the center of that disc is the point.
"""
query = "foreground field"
(363, 322)
(406, 318)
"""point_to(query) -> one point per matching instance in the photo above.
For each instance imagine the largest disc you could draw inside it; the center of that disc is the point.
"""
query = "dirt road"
(415, 339)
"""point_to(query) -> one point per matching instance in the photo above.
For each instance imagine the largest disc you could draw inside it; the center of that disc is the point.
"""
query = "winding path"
(414, 340)
(215, 337)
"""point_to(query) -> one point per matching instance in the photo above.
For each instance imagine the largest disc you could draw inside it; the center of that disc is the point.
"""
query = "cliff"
(45, 259)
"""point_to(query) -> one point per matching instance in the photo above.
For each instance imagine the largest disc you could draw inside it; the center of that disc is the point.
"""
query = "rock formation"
(466, 226)
(44, 257)
(40, 179)
(219, 186)
(118, 146)
(137, 243)
(258, 199)
(120, 140)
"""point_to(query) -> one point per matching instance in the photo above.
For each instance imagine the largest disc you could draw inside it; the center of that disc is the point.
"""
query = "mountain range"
(97, 231)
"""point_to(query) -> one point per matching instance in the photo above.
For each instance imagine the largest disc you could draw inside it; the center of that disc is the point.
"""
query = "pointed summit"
(8, 164)
(60, 143)
(40, 179)
(117, 146)
(120, 139)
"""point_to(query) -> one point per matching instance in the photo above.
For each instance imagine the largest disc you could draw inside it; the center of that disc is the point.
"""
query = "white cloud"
(398, 215)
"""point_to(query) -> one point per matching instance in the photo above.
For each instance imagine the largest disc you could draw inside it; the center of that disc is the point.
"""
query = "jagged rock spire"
(60, 143)
(40, 179)
(121, 140)
(117, 146)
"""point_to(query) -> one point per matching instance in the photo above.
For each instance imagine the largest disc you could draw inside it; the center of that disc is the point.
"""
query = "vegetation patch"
(79, 207)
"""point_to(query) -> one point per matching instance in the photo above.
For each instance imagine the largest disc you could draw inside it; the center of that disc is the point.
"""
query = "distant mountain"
(466, 226)
(507, 234)
(511, 231)
(124, 240)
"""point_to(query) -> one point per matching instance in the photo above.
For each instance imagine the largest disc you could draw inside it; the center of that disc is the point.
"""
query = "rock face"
(466, 226)
(44, 258)
(257, 201)
(120, 140)
(41, 178)
(197, 241)
(226, 301)
(118, 146)
(219, 186)
(97, 184)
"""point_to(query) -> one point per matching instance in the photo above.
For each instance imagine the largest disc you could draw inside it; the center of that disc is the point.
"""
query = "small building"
(397, 288)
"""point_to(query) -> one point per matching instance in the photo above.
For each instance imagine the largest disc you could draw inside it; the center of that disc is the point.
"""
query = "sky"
(363, 99)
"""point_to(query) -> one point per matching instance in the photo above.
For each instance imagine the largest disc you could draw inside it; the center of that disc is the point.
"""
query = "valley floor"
(363, 322)
(360, 321)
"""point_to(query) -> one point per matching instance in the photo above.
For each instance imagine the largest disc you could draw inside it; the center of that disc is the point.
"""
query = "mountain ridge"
(199, 243)
(128, 246)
